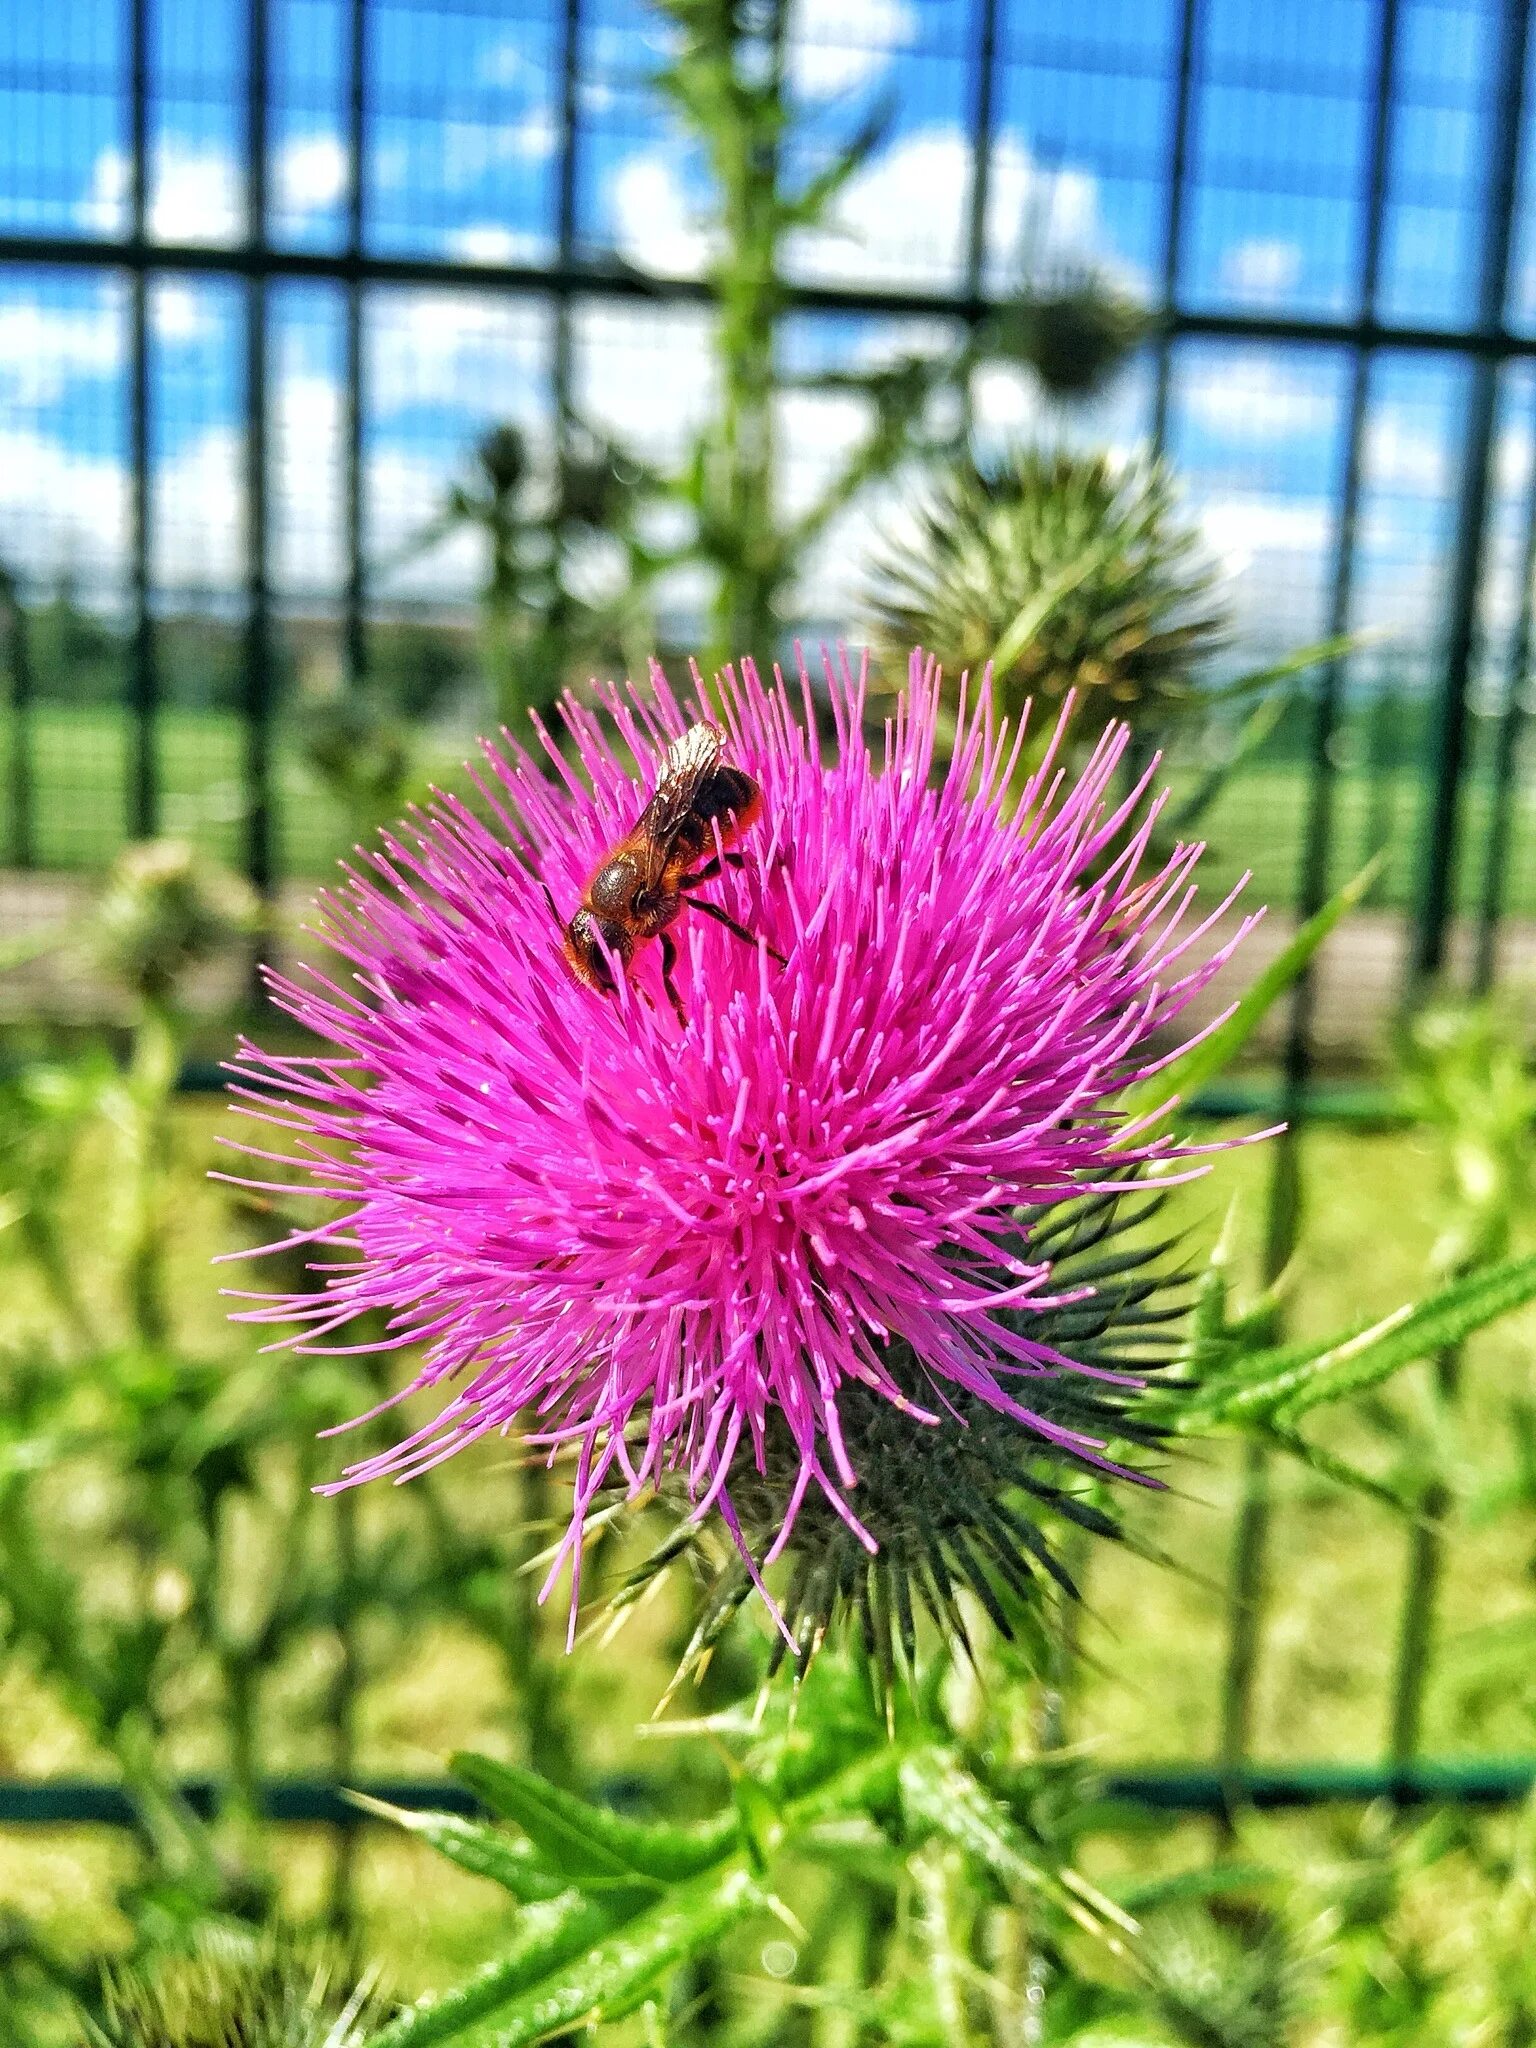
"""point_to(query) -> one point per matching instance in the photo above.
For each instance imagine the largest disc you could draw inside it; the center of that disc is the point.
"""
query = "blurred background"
(370, 371)
(272, 274)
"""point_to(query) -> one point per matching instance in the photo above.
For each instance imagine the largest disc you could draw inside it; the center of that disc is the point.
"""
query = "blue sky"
(461, 161)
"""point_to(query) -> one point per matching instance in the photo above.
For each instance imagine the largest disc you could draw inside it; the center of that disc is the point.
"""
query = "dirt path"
(1360, 973)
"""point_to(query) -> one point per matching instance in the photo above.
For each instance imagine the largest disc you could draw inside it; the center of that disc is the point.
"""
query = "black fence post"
(144, 773)
(1449, 729)
(260, 864)
(1512, 719)
(21, 847)
(1173, 217)
(355, 601)
(562, 366)
(1317, 841)
(983, 126)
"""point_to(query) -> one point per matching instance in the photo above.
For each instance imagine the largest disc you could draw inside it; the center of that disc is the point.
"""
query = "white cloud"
(899, 219)
(460, 349)
(818, 431)
(487, 241)
(1402, 457)
(1261, 270)
(865, 36)
(646, 374)
(902, 217)
(1241, 526)
(178, 312)
(503, 64)
(46, 346)
(471, 148)
(1253, 397)
(196, 193)
(655, 224)
(60, 510)
(198, 512)
(311, 172)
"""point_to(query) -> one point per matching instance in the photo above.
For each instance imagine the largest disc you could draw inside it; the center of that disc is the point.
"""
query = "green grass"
(80, 763)
(80, 768)
(1153, 1634)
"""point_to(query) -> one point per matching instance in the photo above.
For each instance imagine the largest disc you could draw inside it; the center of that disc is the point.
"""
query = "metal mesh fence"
(269, 268)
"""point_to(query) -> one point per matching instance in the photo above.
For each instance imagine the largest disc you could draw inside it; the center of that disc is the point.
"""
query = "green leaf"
(616, 1970)
(1294, 664)
(590, 1844)
(481, 1850)
(553, 1940)
(1282, 1383)
(940, 1798)
(808, 207)
(1255, 730)
(1195, 1069)
(1029, 621)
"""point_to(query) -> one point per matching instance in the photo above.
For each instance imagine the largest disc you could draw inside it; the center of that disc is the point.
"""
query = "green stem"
(345, 1697)
(1248, 1569)
(1421, 1587)
(1246, 1585)
(153, 1067)
(935, 1873)
(536, 1662)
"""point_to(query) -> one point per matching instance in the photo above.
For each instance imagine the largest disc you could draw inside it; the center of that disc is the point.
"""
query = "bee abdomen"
(730, 799)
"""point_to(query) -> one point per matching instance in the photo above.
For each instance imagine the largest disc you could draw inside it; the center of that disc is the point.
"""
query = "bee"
(701, 807)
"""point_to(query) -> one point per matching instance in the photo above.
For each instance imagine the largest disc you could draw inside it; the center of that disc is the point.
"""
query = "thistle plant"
(231, 1988)
(538, 629)
(1074, 325)
(839, 1257)
(1068, 572)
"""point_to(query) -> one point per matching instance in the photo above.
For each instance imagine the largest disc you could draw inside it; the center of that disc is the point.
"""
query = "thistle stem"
(1246, 1586)
(935, 1875)
(1421, 1587)
(540, 1686)
(345, 1696)
(1248, 1569)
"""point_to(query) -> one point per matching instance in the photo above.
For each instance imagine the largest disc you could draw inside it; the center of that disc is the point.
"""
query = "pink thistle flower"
(689, 1251)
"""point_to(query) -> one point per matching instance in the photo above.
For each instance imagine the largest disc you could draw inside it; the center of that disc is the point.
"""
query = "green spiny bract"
(975, 1505)
(1074, 331)
(1119, 585)
(235, 1989)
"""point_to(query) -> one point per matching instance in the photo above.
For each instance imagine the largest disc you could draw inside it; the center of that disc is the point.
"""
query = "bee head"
(585, 938)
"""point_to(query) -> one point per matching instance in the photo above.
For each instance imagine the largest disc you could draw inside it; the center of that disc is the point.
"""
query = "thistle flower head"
(164, 913)
(762, 1251)
(234, 1989)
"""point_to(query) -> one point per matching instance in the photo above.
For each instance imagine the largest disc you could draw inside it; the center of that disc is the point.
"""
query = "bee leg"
(724, 917)
(668, 963)
(710, 870)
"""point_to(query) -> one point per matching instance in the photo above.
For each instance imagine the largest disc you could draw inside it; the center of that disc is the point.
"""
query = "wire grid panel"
(64, 520)
(1446, 90)
(1080, 158)
(1279, 169)
(1204, 148)
(198, 172)
(310, 183)
(63, 125)
(198, 543)
(441, 368)
(463, 131)
(902, 218)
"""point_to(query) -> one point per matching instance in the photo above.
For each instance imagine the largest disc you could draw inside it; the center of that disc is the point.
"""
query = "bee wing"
(686, 766)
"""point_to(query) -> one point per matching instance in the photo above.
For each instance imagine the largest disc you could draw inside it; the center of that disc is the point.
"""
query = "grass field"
(1153, 1635)
(80, 760)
